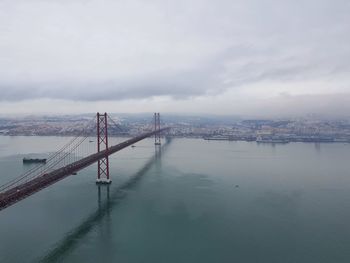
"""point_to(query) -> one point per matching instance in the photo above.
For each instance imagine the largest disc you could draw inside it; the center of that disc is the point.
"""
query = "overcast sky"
(241, 57)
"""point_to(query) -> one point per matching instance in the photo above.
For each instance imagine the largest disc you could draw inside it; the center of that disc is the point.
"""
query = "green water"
(195, 201)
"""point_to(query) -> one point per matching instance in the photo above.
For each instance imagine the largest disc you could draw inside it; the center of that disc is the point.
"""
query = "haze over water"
(195, 201)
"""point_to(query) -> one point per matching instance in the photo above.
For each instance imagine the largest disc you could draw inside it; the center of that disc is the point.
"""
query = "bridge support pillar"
(102, 144)
(157, 128)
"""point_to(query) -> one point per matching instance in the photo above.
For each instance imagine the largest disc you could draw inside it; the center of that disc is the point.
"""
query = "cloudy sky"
(241, 57)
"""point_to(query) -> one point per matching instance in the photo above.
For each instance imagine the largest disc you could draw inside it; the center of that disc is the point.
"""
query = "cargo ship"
(36, 160)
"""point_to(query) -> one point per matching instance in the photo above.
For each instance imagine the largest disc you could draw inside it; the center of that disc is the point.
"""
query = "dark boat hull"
(25, 160)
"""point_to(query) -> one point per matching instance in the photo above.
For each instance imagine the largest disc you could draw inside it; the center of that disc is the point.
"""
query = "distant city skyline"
(260, 58)
(206, 127)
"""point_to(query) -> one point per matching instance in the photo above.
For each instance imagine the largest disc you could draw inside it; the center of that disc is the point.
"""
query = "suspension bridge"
(70, 159)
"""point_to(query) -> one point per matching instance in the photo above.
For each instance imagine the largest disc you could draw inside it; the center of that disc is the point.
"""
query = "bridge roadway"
(24, 190)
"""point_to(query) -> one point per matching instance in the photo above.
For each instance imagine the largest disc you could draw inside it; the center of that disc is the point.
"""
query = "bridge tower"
(157, 128)
(102, 144)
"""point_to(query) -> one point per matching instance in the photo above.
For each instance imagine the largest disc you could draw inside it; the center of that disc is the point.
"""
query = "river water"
(192, 201)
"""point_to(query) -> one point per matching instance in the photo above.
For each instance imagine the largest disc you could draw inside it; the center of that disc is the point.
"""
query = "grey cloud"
(177, 85)
(318, 105)
(82, 50)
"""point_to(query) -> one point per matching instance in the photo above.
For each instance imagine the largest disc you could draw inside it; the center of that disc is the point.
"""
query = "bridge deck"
(24, 190)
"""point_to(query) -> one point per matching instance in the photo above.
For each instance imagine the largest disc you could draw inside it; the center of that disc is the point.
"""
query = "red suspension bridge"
(69, 160)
